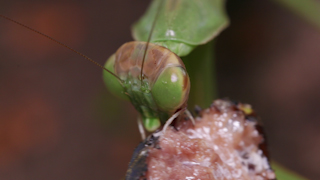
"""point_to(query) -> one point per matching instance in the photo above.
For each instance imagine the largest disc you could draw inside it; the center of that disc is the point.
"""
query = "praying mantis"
(163, 25)
(140, 35)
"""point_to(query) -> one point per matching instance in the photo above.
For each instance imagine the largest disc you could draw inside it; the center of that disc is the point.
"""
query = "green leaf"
(284, 174)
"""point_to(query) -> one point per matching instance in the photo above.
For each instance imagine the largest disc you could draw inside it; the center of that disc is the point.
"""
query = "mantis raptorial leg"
(141, 128)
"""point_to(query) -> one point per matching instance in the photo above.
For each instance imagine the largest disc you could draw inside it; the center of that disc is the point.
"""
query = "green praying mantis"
(151, 74)
(179, 26)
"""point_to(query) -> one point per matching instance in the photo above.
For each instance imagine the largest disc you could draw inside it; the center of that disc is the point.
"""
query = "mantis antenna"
(60, 43)
(149, 38)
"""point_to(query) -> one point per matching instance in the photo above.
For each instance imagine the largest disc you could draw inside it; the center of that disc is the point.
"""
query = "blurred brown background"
(57, 120)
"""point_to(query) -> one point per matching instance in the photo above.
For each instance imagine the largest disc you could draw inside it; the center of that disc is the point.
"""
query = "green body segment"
(165, 85)
(182, 24)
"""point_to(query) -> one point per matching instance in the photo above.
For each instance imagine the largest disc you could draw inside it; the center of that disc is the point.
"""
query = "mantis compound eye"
(111, 82)
(171, 89)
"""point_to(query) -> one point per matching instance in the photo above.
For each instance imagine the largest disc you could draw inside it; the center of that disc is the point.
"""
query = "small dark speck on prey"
(197, 109)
